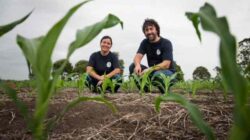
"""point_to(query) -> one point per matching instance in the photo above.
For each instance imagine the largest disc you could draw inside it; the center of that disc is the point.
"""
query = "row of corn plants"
(129, 85)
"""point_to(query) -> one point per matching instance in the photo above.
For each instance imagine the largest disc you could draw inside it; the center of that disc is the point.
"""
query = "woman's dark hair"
(107, 37)
(151, 22)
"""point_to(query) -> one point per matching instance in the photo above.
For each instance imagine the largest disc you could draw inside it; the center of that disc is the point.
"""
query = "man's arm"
(137, 62)
(165, 64)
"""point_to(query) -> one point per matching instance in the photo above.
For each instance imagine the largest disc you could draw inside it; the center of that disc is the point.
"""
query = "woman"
(103, 64)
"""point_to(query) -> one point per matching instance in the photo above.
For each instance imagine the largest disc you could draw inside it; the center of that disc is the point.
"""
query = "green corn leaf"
(43, 58)
(85, 35)
(230, 73)
(45, 50)
(194, 112)
(29, 47)
(105, 84)
(195, 20)
(210, 22)
(38, 52)
(145, 79)
(6, 28)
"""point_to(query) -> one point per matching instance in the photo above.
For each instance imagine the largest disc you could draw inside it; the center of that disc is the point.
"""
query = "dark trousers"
(91, 83)
(153, 74)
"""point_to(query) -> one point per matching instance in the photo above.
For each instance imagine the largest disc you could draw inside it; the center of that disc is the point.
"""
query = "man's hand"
(137, 69)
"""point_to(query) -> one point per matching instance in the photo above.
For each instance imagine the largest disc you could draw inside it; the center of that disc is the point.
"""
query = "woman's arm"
(92, 73)
(114, 72)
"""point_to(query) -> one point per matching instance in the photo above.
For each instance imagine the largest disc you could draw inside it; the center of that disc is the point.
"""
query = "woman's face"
(106, 45)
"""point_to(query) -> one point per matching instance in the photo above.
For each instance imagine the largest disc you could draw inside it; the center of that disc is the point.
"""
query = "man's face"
(151, 33)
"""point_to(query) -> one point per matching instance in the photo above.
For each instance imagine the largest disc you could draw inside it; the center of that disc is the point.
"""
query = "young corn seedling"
(230, 73)
(114, 83)
(144, 81)
(132, 84)
(38, 52)
(164, 81)
(194, 86)
(184, 85)
(211, 85)
(60, 83)
(129, 85)
(81, 83)
(107, 82)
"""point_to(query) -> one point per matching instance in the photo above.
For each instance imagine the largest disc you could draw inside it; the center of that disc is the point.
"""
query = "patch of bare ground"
(136, 117)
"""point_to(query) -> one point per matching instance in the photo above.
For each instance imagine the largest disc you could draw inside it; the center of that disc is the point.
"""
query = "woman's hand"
(99, 83)
(101, 78)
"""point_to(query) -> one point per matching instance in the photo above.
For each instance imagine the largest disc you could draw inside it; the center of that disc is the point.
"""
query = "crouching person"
(159, 53)
(103, 64)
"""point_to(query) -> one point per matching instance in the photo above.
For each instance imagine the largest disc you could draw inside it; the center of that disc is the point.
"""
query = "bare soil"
(136, 117)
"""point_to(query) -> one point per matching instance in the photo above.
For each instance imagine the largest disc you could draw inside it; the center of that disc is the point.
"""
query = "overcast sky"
(188, 51)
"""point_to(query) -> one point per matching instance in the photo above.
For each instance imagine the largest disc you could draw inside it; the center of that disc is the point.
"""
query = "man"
(159, 53)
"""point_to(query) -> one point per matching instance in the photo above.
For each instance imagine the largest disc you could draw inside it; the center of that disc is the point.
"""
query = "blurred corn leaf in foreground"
(8, 27)
(230, 73)
(38, 52)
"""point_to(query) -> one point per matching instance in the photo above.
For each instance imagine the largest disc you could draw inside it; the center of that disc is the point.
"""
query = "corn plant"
(222, 85)
(129, 85)
(166, 81)
(211, 85)
(194, 86)
(184, 85)
(81, 83)
(108, 83)
(144, 80)
(105, 84)
(230, 73)
(38, 52)
(114, 83)
(60, 83)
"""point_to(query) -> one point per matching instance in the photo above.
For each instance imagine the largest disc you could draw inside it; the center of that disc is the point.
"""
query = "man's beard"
(151, 37)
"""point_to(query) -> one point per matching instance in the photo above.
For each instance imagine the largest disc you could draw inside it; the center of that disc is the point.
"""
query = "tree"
(218, 71)
(201, 73)
(80, 66)
(68, 68)
(180, 74)
(243, 57)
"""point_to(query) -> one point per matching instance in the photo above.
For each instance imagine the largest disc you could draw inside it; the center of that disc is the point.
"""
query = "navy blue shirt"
(157, 52)
(103, 64)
